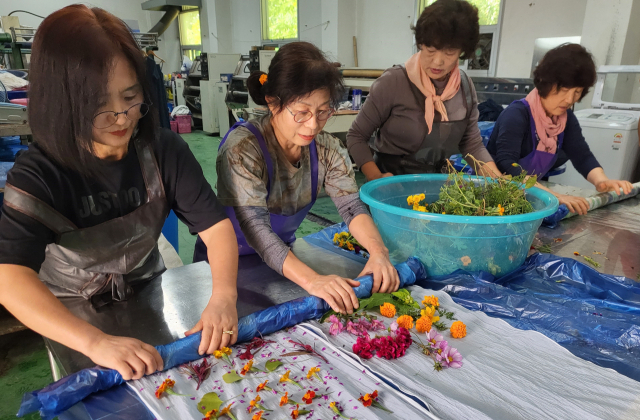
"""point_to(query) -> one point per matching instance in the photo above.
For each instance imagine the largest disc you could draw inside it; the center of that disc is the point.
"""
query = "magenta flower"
(357, 329)
(450, 358)
(364, 323)
(363, 347)
(433, 338)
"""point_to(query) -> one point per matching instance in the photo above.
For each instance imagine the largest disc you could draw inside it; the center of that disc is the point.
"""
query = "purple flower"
(433, 338)
(450, 358)
(377, 325)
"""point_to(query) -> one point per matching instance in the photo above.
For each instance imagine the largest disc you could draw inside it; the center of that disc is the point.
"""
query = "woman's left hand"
(614, 185)
(220, 315)
(385, 276)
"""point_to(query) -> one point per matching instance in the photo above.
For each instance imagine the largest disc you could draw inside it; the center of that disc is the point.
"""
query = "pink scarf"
(433, 102)
(547, 127)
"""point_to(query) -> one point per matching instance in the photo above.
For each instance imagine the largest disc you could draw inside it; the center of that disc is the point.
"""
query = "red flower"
(363, 347)
(308, 397)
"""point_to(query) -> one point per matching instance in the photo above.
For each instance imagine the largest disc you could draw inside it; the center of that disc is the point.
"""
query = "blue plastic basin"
(445, 243)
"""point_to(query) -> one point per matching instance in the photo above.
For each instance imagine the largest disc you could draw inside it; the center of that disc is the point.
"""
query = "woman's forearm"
(222, 250)
(596, 176)
(29, 300)
(366, 232)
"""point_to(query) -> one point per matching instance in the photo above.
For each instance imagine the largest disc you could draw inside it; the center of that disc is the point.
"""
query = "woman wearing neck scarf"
(271, 169)
(425, 111)
(540, 133)
(85, 205)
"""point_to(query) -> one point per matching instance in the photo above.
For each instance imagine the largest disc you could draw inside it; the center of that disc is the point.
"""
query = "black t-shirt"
(88, 202)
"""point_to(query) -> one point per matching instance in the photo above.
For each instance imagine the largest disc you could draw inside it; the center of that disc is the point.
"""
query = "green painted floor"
(23, 359)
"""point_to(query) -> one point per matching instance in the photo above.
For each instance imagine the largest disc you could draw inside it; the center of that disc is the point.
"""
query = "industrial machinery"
(503, 91)
(611, 126)
(213, 91)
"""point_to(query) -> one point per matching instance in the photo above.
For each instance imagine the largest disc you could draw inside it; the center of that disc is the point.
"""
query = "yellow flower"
(422, 197)
(458, 329)
(312, 371)
(350, 246)
(335, 237)
(500, 210)
(422, 209)
(405, 321)
(388, 310)
(430, 300)
(428, 311)
(341, 243)
(285, 377)
(410, 200)
(416, 206)
(423, 324)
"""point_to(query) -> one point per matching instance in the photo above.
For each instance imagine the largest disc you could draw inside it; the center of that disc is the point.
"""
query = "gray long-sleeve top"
(398, 113)
(243, 180)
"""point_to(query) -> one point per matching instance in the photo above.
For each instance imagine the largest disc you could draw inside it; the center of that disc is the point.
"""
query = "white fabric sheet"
(507, 374)
(343, 377)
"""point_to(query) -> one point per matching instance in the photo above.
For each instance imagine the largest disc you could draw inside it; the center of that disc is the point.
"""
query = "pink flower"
(356, 329)
(394, 326)
(450, 358)
(364, 323)
(433, 338)
(377, 325)
(363, 347)
(336, 325)
(393, 347)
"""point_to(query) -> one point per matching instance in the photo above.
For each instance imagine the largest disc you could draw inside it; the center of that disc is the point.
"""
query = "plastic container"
(445, 243)
(356, 99)
(226, 77)
(174, 126)
(184, 123)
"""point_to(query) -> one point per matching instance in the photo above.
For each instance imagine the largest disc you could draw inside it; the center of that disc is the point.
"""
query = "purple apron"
(538, 162)
(284, 226)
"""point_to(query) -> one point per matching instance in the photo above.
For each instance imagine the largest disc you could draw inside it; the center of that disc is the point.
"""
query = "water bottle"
(356, 99)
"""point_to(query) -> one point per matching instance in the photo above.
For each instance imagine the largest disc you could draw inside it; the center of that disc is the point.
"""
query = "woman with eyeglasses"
(271, 169)
(85, 205)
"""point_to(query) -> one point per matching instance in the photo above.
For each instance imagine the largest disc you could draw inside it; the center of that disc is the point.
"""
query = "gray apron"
(101, 262)
(437, 146)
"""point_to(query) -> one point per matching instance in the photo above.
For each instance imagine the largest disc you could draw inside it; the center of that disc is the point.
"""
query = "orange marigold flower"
(253, 403)
(368, 399)
(458, 329)
(225, 411)
(210, 414)
(312, 371)
(263, 79)
(296, 412)
(500, 210)
(167, 384)
(466, 260)
(284, 399)
(285, 377)
(246, 368)
(262, 386)
(405, 321)
(423, 324)
(308, 397)
(388, 310)
(257, 416)
(431, 300)
(576, 253)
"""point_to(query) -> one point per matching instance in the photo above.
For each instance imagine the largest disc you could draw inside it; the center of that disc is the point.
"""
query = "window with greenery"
(189, 23)
(279, 19)
(488, 10)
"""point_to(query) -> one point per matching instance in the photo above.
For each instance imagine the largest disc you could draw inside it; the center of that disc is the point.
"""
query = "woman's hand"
(336, 291)
(614, 185)
(574, 204)
(371, 171)
(219, 315)
(130, 357)
(385, 276)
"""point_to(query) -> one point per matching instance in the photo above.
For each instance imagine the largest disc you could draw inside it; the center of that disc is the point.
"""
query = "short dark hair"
(566, 66)
(73, 54)
(297, 69)
(449, 24)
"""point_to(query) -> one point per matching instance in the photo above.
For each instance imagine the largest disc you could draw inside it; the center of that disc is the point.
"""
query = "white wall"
(310, 22)
(245, 22)
(347, 29)
(525, 21)
(383, 32)
(168, 48)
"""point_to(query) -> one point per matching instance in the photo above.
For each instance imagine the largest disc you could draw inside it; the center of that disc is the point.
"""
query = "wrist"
(378, 249)
(224, 293)
(90, 340)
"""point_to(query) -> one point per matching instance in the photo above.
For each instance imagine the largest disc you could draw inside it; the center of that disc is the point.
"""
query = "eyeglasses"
(304, 116)
(107, 118)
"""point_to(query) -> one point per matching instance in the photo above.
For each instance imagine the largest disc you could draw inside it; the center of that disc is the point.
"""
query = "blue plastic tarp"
(324, 239)
(63, 394)
(593, 315)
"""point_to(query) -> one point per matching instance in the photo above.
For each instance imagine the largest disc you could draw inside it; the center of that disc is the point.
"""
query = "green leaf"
(531, 181)
(375, 301)
(231, 377)
(303, 412)
(210, 401)
(272, 365)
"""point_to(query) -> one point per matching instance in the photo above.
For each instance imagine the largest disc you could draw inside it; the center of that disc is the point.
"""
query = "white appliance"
(611, 126)
(265, 57)
(219, 96)
(178, 90)
(212, 108)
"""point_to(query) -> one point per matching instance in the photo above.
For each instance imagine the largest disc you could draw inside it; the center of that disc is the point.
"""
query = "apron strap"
(150, 171)
(37, 209)
(313, 156)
